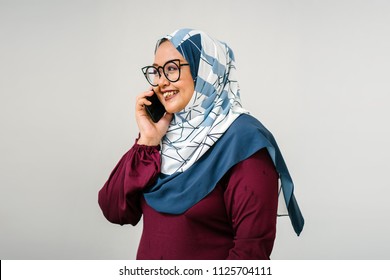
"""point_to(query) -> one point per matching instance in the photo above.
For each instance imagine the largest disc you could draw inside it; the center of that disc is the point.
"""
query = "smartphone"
(156, 111)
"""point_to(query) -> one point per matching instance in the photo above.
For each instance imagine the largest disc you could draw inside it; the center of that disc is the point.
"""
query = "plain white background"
(316, 73)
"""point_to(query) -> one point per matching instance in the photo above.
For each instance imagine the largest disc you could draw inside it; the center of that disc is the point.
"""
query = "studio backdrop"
(316, 73)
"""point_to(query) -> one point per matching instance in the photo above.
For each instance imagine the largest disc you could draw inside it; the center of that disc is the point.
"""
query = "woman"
(205, 176)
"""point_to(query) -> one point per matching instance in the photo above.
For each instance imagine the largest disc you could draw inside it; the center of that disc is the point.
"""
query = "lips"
(169, 94)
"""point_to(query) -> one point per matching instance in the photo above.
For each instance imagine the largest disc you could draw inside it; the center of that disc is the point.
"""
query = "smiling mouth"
(169, 94)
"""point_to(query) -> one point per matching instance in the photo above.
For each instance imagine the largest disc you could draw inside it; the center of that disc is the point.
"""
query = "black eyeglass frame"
(174, 61)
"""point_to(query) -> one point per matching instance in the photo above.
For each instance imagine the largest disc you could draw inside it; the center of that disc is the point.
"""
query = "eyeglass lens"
(171, 71)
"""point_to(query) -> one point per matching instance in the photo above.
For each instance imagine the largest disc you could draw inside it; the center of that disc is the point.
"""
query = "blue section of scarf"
(176, 193)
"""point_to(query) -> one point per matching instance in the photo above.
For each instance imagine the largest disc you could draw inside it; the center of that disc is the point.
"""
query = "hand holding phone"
(156, 110)
(152, 120)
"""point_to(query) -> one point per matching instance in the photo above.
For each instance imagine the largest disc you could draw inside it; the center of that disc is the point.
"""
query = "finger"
(142, 102)
(167, 118)
(141, 98)
(145, 93)
(149, 92)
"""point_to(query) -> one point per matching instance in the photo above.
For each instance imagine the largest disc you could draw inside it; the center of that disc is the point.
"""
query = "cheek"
(189, 91)
(187, 97)
(189, 85)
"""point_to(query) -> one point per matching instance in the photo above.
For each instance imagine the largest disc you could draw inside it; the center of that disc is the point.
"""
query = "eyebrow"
(175, 59)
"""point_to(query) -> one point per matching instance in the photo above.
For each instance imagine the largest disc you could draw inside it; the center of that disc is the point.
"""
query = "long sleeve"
(120, 196)
(251, 199)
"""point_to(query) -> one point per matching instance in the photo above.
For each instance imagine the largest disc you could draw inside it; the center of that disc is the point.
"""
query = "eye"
(171, 67)
(152, 71)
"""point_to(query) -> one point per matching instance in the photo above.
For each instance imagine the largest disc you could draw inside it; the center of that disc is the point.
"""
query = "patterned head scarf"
(214, 106)
(198, 136)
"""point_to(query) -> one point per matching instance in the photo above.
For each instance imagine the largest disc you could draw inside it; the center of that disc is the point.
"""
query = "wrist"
(148, 141)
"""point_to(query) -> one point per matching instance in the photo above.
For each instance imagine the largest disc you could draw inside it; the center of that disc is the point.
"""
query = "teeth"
(170, 93)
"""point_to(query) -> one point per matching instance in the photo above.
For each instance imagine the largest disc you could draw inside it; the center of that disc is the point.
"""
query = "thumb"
(167, 117)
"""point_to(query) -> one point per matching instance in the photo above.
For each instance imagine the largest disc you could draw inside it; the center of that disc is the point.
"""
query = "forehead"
(165, 52)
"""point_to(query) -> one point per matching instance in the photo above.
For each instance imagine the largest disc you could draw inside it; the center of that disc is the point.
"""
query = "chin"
(173, 109)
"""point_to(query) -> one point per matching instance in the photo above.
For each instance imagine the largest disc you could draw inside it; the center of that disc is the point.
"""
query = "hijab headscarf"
(212, 133)
(214, 106)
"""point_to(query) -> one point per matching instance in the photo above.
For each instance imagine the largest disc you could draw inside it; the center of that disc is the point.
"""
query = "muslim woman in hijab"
(207, 177)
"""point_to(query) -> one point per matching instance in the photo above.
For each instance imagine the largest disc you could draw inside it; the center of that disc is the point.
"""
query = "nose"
(162, 80)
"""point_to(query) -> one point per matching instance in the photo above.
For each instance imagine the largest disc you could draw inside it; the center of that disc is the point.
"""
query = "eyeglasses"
(171, 70)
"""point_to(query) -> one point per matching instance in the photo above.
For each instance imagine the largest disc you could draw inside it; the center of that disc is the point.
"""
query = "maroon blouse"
(237, 220)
